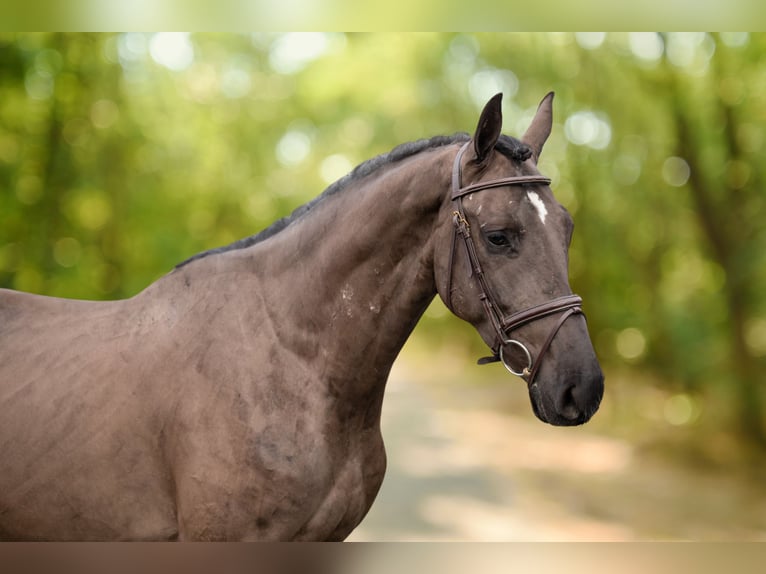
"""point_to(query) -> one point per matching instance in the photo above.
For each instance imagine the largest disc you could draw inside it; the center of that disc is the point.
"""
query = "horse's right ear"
(540, 128)
(488, 130)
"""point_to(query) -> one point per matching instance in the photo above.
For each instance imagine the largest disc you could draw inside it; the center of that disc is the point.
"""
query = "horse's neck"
(352, 278)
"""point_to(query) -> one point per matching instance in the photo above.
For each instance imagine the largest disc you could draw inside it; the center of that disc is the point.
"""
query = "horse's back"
(15, 304)
(37, 333)
(65, 404)
(20, 310)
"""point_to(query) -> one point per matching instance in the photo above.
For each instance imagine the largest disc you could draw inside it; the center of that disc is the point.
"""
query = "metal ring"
(524, 372)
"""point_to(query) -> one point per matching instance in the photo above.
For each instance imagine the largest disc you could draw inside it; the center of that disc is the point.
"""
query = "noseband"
(503, 325)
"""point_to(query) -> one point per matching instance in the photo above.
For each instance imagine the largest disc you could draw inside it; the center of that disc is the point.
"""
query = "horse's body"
(239, 396)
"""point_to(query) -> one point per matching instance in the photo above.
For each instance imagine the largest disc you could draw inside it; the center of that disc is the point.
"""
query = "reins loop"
(503, 325)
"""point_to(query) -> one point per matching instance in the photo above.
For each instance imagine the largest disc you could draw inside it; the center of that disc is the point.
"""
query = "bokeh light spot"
(589, 129)
(631, 343)
(173, 50)
(293, 148)
(675, 171)
(334, 167)
(679, 409)
(67, 251)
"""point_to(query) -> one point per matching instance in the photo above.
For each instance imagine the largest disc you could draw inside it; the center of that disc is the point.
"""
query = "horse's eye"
(498, 239)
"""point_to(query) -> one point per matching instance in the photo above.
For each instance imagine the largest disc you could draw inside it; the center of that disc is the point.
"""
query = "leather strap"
(518, 180)
(544, 349)
(457, 175)
(557, 305)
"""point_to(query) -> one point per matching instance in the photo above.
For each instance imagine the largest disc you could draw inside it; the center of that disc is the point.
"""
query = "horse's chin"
(545, 410)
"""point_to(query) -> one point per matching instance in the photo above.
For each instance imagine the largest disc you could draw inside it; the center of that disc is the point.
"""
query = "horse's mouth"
(566, 414)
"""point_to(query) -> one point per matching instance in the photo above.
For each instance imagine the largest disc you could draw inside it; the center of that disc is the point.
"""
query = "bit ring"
(526, 371)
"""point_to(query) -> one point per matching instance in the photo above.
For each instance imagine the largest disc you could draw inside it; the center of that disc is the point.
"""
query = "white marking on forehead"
(539, 205)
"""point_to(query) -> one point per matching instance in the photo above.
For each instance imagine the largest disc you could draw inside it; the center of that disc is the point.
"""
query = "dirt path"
(460, 468)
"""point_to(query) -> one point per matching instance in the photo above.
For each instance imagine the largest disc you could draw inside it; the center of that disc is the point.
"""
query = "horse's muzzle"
(572, 401)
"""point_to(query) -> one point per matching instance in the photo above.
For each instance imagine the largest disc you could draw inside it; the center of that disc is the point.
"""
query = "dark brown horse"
(239, 396)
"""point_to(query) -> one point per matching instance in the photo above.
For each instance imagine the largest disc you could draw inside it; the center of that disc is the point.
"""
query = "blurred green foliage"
(376, 15)
(123, 154)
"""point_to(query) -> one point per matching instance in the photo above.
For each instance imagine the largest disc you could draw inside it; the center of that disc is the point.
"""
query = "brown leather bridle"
(503, 325)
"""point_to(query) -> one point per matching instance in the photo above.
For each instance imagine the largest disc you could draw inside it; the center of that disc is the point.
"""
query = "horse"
(239, 396)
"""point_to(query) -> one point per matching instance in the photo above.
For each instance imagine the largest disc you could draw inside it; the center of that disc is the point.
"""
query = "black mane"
(508, 146)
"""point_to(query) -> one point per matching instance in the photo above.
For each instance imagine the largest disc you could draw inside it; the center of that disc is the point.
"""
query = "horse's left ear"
(540, 128)
(488, 130)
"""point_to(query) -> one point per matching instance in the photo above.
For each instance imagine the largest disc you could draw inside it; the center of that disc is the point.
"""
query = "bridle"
(503, 325)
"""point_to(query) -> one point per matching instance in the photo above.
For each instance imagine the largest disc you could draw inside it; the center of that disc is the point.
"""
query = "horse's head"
(501, 264)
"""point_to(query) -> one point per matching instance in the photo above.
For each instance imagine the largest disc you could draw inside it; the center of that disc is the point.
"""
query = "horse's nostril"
(567, 406)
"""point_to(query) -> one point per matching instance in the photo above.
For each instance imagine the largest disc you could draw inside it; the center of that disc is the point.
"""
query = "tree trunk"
(724, 249)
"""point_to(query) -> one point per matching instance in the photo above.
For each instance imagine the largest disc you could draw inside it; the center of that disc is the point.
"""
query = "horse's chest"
(336, 484)
(304, 483)
(349, 495)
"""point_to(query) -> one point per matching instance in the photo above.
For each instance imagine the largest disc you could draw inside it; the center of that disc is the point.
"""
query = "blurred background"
(123, 154)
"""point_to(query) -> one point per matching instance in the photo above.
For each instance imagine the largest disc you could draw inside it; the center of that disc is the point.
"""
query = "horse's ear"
(540, 128)
(488, 130)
